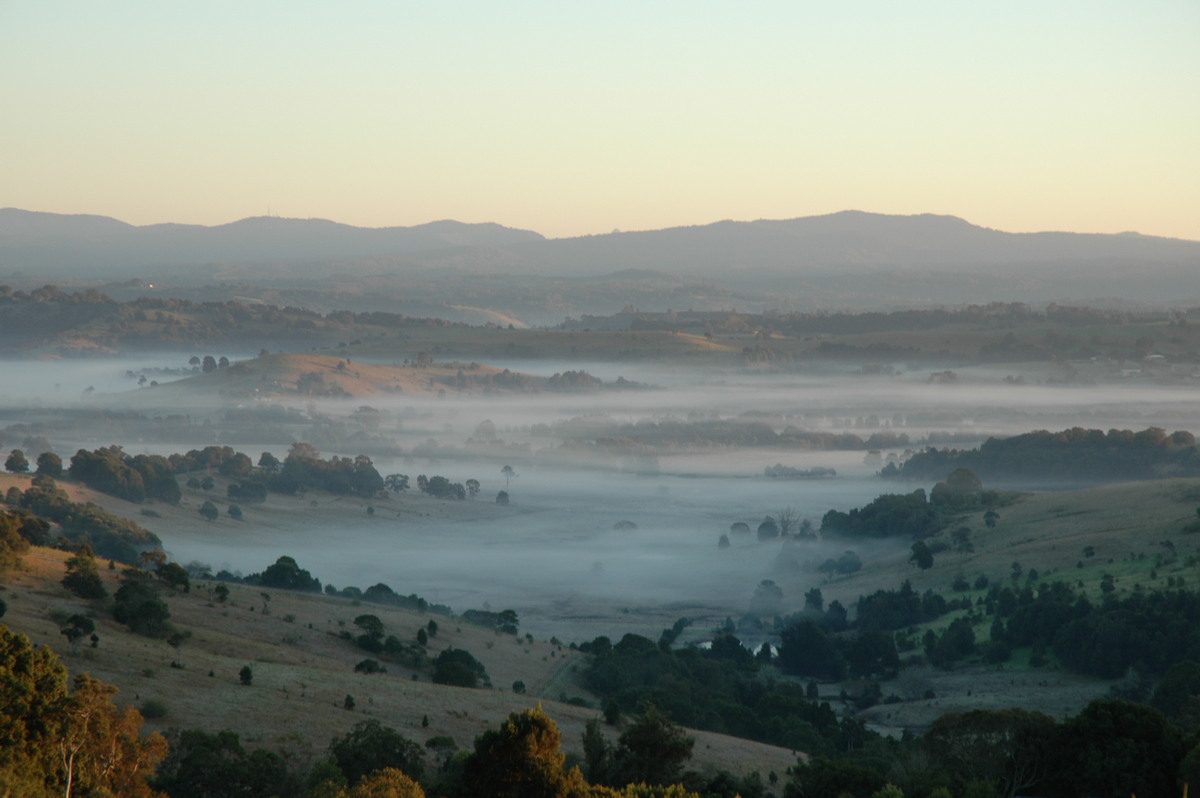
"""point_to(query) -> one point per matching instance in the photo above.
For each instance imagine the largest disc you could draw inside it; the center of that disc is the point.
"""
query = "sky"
(575, 118)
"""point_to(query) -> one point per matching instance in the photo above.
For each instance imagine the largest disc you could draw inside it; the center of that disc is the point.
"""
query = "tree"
(209, 511)
(396, 483)
(56, 742)
(922, 557)
(509, 474)
(652, 750)
(370, 746)
(286, 574)
(138, 606)
(387, 783)
(174, 575)
(16, 462)
(786, 519)
(1116, 747)
(768, 529)
(208, 364)
(77, 628)
(268, 462)
(246, 675)
(502, 498)
(203, 765)
(83, 575)
(805, 650)
(458, 668)
(472, 487)
(235, 512)
(1011, 749)
(50, 464)
(520, 760)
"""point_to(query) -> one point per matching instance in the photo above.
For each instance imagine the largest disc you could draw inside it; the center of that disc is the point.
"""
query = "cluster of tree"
(457, 667)
(821, 643)
(573, 381)
(1150, 630)
(373, 638)
(62, 742)
(1113, 747)
(48, 310)
(505, 621)
(442, 488)
(137, 478)
(285, 574)
(108, 535)
(1071, 456)
(716, 689)
(303, 468)
(380, 593)
(913, 515)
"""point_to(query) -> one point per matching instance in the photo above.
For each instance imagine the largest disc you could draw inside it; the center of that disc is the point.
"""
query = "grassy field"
(303, 670)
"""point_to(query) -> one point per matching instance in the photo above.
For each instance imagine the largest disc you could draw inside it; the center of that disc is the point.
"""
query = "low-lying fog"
(554, 555)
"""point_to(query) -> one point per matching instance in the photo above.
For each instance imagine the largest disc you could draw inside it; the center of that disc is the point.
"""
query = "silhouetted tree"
(50, 464)
(16, 462)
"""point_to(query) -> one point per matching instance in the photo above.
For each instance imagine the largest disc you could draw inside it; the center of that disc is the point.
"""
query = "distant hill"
(33, 241)
(847, 260)
(848, 239)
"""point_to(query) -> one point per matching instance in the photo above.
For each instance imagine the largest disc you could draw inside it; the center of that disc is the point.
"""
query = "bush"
(458, 668)
(153, 709)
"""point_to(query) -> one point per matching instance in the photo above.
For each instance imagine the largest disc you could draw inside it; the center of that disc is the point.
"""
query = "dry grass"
(303, 671)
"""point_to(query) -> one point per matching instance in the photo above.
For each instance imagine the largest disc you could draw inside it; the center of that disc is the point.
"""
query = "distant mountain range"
(863, 258)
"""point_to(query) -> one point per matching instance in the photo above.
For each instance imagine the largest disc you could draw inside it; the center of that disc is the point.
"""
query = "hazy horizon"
(554, 118)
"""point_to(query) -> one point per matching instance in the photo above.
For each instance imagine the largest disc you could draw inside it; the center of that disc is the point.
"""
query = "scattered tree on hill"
(77, 628)
(370, 746)
(286, 574)
(457, 667)
(137, 605)
(16, 462)
(235, 512)
(921, 557)
(83, 575)
(246, 675)
(209, 511)
(50, 464)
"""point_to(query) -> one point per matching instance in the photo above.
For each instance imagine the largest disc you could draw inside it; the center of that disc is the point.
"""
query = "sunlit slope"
(329, 376)
(303, 669)
(490, 343)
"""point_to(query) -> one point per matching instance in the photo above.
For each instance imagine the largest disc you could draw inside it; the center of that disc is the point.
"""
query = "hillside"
(303, 671)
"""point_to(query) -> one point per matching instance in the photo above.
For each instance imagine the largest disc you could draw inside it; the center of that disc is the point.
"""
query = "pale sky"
(571, 118)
